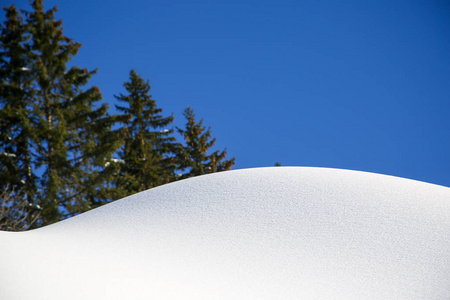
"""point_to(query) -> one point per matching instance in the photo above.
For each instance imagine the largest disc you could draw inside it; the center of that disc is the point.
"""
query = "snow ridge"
(266, 233)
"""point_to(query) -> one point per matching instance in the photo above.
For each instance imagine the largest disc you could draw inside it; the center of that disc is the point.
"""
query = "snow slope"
(268, 233)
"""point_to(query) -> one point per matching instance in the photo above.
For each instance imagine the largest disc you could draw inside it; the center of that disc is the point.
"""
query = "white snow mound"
(268, 233)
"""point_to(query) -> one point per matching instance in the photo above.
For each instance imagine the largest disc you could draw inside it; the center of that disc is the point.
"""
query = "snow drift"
(269, 233)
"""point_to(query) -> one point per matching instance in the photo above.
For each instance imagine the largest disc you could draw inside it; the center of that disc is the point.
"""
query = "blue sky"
(356, 84)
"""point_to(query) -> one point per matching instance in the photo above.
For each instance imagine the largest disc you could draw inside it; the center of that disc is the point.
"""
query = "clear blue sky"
(362, 85)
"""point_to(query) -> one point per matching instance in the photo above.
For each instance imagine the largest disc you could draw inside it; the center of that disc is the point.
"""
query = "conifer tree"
(193, 156)
(67, 134)
(16, 100)
(146, 158)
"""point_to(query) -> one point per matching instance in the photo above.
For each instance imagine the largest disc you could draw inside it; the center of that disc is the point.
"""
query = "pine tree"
(146, 158)
(66, 133)
(193, 156)
(16, 100)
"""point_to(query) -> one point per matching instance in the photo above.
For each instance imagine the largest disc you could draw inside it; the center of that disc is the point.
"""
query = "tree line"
(61, 150)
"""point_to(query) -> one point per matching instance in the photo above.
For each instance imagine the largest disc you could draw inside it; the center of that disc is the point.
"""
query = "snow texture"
(268, 233)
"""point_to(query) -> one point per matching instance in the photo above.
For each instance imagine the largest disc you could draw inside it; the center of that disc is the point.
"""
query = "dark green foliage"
(193, 156)
(16, 100)
(146, 158)
(49, 122)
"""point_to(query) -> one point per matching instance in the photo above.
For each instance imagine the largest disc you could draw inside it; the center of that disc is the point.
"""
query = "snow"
(8, 154)
(115, 160)
(267, 233)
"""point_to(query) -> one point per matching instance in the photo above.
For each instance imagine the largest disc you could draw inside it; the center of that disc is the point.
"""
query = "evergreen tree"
(16, 99)
(56, 126)
(146, 158)
(193, 156)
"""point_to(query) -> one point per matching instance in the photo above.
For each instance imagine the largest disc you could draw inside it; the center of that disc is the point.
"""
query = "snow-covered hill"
(268, 233)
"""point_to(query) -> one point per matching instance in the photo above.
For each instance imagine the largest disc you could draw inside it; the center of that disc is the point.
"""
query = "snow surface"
(268, 233)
